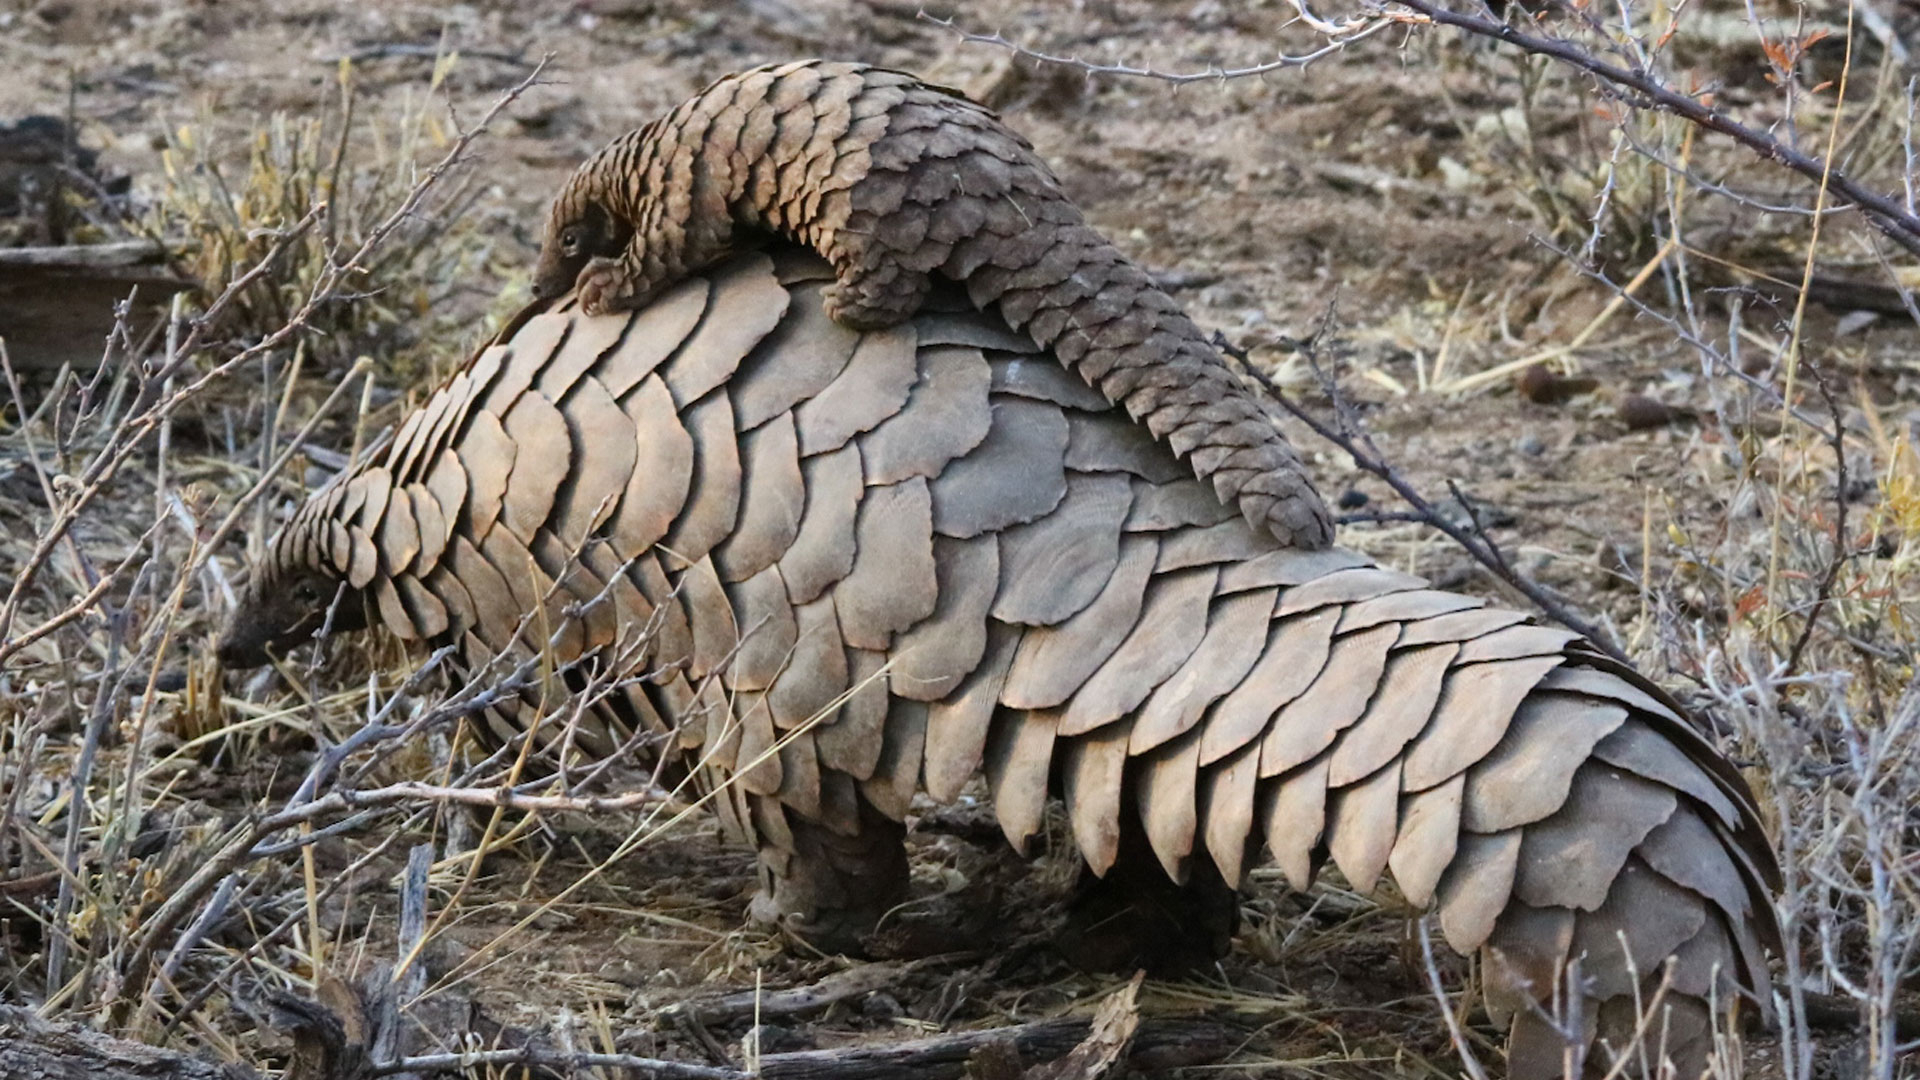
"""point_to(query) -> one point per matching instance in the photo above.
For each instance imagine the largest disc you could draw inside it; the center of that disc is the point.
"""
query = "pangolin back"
(893, 181)
(948, 556)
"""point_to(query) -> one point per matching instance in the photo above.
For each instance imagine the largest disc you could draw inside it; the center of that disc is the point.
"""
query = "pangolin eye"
(570, 241)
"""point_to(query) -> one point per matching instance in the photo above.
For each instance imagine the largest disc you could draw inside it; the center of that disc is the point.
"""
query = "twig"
(1167, 1043)
(260, 943)
(798, 1001)
(570, 1064)
(1836, 439)
(410, 791)
(1887, 214)
(153, 405)
(1349, 436)
(382, 50)
(1437, 986)
(412, 979)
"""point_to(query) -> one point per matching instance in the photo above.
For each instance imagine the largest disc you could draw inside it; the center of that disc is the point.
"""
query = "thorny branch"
(155, 403)
(1352, 437)
(1837, 442)
(158, 389)
(1891, 216)
(1887, 214)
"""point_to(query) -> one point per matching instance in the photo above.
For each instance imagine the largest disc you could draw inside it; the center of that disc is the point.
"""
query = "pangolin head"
(579, 228)
(284, 603)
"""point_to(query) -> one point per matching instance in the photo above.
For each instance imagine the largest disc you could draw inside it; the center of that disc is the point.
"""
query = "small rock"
(1615, 571)
(1475, 513)
(1207, 13)
(882, 1007)
(1530, 444)
(1352, 499)
(775, 1039)
(1173, 280)
(1543, 387)
(1854, 321)
(1640, 412)
(1225, 295)
(1455, 176)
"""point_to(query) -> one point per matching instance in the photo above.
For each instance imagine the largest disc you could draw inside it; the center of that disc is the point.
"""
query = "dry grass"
(169, 856)
(417, 303)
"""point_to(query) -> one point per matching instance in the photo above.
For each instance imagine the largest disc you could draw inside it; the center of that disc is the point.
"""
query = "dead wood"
(856, 982)
(32, 1047)
(1157, 1044)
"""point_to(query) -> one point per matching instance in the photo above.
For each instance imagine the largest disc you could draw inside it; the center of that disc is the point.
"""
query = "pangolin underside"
(880, 563)
(894, 181)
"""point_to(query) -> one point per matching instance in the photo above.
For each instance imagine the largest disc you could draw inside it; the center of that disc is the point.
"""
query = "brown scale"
(896, 183)
(948, 559)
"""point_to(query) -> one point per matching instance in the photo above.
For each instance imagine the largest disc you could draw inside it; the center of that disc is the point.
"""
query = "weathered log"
(56, 303)
(118, 256)
(37, 1049)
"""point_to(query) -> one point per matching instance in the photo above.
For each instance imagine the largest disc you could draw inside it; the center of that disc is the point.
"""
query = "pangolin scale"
(951, 557)
(894, 181)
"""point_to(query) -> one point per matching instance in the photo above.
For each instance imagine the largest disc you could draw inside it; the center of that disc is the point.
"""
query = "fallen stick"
(1157, 1044)
(30, 1046)
(855, 982)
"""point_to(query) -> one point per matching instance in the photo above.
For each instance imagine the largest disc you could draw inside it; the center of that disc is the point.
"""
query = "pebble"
(882, 1006)
(1543, 387)
(775, 1039)
(1640, 412)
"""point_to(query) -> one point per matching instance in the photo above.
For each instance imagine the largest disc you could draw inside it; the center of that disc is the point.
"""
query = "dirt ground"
(1362, 184)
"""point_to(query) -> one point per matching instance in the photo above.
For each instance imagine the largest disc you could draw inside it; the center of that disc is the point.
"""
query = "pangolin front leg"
(893, 181)
(876, 295)
(607, 285)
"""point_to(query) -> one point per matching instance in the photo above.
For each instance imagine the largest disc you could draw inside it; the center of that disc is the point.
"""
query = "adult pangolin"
(822, 570)
(893, 181)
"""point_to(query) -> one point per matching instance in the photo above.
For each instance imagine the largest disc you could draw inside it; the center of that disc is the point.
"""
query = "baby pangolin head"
(579, 228)
(282, 608)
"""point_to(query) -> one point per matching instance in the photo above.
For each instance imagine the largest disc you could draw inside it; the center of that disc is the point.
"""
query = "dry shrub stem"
(1836, 437)
(154, 405)
(1893, 218)
(1352, 437)
(160, 389)
(1888, 215)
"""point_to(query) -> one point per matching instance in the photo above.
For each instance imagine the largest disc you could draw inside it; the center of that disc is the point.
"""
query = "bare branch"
(1350, 437)
(1887, 214)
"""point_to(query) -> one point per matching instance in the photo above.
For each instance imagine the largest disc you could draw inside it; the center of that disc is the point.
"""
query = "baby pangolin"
(892, 180)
